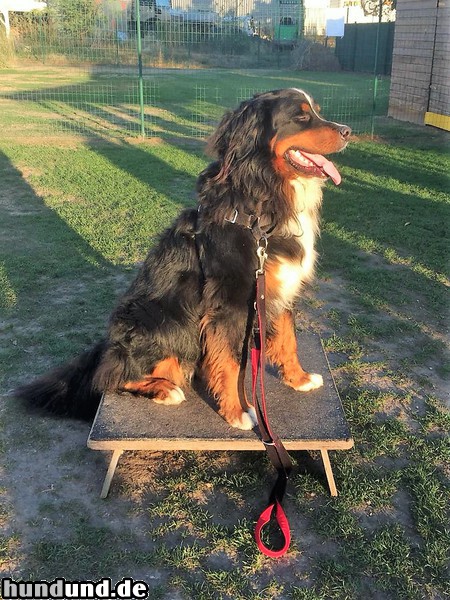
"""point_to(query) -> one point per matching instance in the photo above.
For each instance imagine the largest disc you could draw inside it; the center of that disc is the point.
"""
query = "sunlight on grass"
(85, 206)
(115, 197)
(366, 244)
(8, 297)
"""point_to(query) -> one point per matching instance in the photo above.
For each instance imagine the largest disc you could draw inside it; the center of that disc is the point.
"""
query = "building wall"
(439, 106)
(420, 73)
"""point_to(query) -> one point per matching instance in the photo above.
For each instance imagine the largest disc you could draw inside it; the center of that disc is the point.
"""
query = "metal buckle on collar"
(234, 217)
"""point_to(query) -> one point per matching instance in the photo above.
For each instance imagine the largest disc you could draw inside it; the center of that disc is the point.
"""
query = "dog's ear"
(240, 133)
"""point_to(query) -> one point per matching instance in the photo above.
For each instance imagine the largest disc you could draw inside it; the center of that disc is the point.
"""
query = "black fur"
(158, 316)
(201, 273)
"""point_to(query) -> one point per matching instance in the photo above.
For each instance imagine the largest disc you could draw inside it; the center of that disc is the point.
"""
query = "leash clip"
(261, 254)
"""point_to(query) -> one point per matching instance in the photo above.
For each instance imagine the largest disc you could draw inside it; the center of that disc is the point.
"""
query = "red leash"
(276, 451)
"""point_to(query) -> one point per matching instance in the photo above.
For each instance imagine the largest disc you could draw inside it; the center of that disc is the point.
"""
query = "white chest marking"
(290, 275)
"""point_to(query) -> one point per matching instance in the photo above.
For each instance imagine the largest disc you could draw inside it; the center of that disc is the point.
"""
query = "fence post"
(42, 42)
(140, 77)
(375, 69)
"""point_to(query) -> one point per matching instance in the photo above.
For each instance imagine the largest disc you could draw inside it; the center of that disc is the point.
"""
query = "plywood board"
(304, 421)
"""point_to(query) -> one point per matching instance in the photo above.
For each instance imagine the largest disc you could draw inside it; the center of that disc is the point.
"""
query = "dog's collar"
(259, 226)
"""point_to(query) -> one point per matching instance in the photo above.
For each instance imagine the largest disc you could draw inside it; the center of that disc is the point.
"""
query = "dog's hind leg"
(163, 384)
(282, 352)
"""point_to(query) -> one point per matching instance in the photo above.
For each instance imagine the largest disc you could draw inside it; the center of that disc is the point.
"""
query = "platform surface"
(304, 421)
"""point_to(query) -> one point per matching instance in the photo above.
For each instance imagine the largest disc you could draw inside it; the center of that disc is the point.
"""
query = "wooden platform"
(304, 421)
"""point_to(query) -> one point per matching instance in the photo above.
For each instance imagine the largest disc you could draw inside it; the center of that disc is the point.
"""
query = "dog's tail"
(68, 390)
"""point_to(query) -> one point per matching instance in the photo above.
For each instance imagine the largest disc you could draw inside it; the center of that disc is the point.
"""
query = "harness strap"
(276, 451)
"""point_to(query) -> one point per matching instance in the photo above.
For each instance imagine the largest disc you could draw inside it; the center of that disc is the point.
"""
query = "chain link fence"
(125, 44)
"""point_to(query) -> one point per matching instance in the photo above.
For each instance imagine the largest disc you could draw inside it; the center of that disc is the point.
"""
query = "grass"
(79, 208)
(107, 103)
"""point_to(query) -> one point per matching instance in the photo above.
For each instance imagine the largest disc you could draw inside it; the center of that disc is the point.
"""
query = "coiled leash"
(276, 451)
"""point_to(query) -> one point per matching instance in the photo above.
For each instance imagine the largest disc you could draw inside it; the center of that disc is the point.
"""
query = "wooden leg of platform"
(110, 473)
(329, 472)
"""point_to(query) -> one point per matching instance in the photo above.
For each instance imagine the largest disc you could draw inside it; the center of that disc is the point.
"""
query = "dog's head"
(284, 127)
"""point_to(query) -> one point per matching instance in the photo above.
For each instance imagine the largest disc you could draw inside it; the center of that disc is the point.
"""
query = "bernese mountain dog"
(190, 308)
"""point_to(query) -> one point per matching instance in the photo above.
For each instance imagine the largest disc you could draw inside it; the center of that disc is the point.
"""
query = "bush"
(78, 17)
(310, 56)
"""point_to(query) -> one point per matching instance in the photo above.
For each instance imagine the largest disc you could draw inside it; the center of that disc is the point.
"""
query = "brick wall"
(420, 72)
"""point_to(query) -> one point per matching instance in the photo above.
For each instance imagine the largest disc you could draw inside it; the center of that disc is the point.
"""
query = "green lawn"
(177, 104)
(80, 204)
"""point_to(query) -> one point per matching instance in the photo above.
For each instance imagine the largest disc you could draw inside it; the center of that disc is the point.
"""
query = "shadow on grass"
(50, 271)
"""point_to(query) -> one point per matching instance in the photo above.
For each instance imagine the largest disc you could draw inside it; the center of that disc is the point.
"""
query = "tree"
(76, 17)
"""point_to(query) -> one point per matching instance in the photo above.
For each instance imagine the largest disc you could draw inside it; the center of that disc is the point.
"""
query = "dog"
(189, 310)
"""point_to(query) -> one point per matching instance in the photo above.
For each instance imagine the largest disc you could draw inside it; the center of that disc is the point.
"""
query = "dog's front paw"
(174, 396)
(310, 381)
(246, 420)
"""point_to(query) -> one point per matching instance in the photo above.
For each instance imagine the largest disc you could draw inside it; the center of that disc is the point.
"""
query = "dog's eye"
(303, 118)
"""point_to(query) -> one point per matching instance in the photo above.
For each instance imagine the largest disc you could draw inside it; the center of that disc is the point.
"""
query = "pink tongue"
(326, 165)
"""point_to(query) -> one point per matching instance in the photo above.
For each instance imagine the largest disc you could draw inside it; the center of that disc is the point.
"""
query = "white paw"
(315, 381)
(246, 421)
(175, 396)
(252, 414)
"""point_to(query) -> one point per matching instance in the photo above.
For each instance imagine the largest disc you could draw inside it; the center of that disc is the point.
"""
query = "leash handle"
(283, 524)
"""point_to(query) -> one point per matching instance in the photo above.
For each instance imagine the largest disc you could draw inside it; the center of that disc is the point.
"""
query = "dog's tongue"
(326, 165)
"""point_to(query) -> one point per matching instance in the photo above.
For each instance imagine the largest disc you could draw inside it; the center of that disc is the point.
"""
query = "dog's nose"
(345, 131)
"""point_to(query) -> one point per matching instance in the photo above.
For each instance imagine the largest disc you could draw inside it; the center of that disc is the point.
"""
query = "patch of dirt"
(51, 481)
(332, 295)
